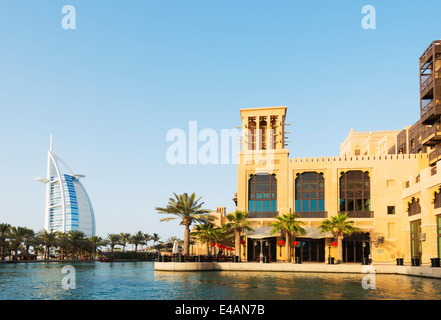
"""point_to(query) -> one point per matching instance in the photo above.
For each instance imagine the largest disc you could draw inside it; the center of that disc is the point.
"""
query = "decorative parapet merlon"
(359, 158)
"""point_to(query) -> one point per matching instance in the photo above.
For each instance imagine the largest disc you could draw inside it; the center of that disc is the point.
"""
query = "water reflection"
(138, 280)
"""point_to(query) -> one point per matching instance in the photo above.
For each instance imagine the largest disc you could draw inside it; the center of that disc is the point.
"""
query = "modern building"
(68, 207)
(387, 182)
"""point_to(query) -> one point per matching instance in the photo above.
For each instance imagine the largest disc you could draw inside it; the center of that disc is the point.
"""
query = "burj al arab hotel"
(68, 207)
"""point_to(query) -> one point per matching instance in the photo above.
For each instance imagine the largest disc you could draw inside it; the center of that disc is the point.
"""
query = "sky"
(112, 88)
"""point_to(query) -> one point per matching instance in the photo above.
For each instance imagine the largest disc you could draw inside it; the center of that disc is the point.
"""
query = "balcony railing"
(426, 82)
(430, 134)
(321, 214)
(358, 214)
(427, 108)
(260, 215)
(435, 154)
(428, 50)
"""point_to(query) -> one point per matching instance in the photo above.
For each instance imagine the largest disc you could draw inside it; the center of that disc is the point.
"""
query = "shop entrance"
(310, 250)
(356, 247)
(266, 245)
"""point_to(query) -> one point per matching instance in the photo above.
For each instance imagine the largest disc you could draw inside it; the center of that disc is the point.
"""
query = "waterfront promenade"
(422, 271)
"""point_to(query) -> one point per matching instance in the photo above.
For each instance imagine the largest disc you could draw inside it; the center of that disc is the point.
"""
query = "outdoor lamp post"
(364, 254)
(261, 253)
(295, 243)
(281, 243)
(334, 244)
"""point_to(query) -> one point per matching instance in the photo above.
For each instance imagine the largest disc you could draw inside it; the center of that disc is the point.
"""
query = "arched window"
(355, 194)
(262, 196)
(413, 207)
(310, 194)
(437, 202)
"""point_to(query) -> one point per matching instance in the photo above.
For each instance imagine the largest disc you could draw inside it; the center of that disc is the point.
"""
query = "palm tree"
(28, 240)
(85, 248)
(288, 224)
(155, 238)
(189, 210)
(137, 239)
(339, 226)
(238, 222)
(16, 236)
(113, 239)
(95, 243)
(4, 229)
(125, 238)
(147, 238)
(77, 241)
(38, 249)
(48, 239)
(206, 233)
(63, 243)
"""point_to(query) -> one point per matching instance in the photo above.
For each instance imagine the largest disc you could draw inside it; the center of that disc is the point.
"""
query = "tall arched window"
(355, 194)
(437, 201)
(413, 207)
(310, 195)
(262, 196)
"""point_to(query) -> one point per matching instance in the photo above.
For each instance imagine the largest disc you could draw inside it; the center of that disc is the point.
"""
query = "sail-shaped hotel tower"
(68, 207)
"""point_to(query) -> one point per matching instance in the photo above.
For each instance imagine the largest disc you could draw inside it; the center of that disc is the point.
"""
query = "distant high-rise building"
(68, 207)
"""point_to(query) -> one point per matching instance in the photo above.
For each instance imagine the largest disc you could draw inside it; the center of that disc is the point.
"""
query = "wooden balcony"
(426, 85)
(262, 215)
(431, 136)
(358, 214)
(307, 215)
(430, 113)
(435, 155)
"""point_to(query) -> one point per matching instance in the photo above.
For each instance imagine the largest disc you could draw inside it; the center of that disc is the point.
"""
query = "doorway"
(415, 242)
(266, 245)
(356, 246)
(310, 250)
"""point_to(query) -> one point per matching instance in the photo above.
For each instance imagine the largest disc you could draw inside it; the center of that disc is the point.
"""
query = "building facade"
(387, 182)
(68, 207)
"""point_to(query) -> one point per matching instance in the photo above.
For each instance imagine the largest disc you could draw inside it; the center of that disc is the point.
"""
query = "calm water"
(138, 280)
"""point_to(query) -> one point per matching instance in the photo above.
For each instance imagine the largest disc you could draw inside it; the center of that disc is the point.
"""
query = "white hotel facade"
(68, 207)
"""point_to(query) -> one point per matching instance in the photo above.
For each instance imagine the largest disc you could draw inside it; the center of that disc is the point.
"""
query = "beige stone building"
(387, 182)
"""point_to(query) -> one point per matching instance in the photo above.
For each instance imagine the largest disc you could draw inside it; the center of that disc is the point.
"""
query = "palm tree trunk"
(293, 252)
(187, 240)
(237, 243)
(340, 248)
(287, 246)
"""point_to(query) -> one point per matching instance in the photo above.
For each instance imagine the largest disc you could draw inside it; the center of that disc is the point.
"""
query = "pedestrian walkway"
(423, 271)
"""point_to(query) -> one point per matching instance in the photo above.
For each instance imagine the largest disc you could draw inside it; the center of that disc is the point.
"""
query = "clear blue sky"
(132, 70)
